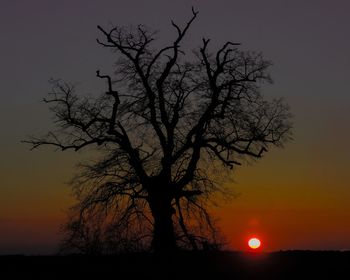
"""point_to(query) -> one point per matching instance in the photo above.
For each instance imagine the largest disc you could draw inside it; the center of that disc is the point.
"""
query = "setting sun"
(254, 243)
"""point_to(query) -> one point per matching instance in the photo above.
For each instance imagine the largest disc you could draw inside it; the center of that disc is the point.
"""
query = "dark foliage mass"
(166, 129)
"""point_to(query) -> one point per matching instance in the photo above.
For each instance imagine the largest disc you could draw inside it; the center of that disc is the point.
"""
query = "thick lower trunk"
(163, 232)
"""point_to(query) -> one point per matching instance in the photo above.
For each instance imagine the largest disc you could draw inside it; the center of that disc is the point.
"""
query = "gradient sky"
(294, 198)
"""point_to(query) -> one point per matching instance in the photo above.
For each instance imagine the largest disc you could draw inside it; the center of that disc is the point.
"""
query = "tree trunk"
(163, 231)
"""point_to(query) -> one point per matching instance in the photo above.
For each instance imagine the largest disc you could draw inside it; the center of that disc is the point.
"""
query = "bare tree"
(161, 127)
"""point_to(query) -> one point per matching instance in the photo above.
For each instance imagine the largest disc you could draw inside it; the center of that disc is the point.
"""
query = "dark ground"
(184, 265)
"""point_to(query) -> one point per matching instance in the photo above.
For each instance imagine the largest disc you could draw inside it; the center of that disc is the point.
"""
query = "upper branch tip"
(194, 12)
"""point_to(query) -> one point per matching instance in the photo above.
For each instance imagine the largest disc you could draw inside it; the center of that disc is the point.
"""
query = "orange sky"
(287, 210)
(303, 209)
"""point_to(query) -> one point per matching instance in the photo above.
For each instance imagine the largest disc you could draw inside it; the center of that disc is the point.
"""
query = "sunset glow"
(290, 198)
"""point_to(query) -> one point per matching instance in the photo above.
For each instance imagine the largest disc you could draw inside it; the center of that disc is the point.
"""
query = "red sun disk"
(254, 243)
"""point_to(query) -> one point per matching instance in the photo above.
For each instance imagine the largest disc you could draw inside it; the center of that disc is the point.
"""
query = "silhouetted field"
(184, 265)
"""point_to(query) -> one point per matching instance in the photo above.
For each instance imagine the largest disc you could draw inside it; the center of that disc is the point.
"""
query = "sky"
(294, 198)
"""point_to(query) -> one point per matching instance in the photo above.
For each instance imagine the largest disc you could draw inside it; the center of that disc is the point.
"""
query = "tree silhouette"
(161, 127)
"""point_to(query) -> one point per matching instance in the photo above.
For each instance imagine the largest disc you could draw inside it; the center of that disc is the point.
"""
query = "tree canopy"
(162, 123)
